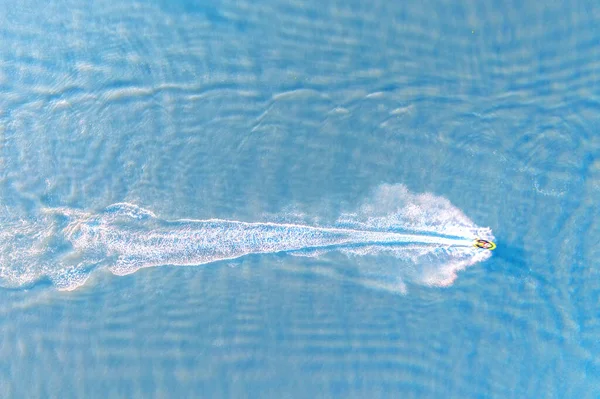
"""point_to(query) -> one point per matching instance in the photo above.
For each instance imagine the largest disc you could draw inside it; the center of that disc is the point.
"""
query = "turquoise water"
(228, 199)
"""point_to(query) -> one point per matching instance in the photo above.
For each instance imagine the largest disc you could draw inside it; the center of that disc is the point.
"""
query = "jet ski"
(484, 244)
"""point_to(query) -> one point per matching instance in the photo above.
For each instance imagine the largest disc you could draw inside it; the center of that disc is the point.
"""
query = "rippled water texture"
(235, 135)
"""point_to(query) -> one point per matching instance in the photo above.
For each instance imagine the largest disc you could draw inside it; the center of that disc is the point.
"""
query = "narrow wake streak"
(125, 238)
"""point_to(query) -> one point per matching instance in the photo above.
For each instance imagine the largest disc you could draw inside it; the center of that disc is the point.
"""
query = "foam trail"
(125, 238)
(190, 242)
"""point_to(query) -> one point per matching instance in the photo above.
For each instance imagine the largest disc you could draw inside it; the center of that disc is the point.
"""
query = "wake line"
(136, 238)
(426, 238)
(365, 236)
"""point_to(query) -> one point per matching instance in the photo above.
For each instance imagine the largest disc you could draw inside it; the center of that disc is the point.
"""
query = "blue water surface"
(124, 124)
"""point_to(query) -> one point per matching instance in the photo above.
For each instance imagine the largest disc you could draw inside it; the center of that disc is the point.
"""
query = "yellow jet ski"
(484, 244)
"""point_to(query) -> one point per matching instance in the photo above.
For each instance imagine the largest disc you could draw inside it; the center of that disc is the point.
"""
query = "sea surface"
(278, 199)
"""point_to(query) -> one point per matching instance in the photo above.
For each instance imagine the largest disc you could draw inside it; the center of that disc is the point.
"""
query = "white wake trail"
(428, 239)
